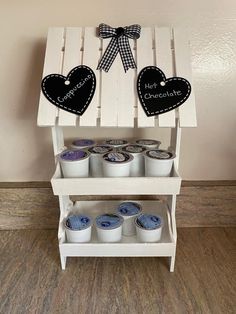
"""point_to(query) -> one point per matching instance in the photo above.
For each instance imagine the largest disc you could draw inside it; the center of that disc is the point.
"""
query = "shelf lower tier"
(129, 246)
(116, 186)
(123, 248)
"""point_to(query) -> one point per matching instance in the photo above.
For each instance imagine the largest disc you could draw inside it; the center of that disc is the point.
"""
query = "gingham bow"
(119, 43)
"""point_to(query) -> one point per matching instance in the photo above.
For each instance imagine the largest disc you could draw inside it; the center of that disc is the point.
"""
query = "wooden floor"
(31, 280)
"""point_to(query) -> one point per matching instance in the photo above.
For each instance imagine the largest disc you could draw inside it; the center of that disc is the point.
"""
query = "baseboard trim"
(32, 205)
(47, 184)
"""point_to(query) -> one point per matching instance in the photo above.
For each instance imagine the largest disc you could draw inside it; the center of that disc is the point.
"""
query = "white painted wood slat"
(187, 111)
(47, 112)
(109, 91)
(72, 58)
(91, 55)
(164, 62)
(145, 57)
(126, 93)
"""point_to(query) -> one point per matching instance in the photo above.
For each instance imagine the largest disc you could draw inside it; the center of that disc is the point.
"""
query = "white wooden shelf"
(116, 186)
(129, 245)
(115, 104)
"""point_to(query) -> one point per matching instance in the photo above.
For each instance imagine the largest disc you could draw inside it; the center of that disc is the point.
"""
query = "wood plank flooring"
(31, 280)
(32, 205)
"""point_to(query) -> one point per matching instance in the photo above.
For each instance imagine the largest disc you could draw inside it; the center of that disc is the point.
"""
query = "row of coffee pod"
(116, 158)
(128, 220)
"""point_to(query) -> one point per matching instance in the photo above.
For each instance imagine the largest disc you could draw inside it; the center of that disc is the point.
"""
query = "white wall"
(208, 152)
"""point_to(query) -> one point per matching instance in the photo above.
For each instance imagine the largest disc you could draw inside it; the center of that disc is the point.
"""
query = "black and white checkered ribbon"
(119, 43)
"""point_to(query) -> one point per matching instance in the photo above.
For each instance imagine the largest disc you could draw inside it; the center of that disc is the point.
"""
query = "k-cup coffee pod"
(115, 143)
(137, 165)
(109, 227)
(148, 228)
(158, 163)
(129, 211)
(82, 143)
(148, 143)
(78, 228)
(116, 164)
(74, 163)
(95, 160)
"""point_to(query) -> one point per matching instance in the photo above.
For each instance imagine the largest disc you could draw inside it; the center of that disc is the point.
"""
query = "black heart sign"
(158, 94)
(73, 92)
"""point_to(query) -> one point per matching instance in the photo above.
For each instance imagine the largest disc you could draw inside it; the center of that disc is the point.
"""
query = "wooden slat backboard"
(72, 58)
(115, 102)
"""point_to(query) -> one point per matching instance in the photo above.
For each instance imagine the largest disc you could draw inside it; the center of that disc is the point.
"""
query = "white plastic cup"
(82, 143)
(116, 164)
(158, 163)
(129, 211)
(108, 231)
(79, 235)
(115, 143)
(149, 235)
(95, 160)
(74, 163)
(148, 143)
(137, 165)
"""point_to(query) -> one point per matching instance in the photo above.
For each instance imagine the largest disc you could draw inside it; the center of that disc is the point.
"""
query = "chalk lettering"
(163, 95)
(71, 93)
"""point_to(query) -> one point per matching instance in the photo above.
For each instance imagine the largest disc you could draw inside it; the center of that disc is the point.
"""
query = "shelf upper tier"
(116, 186)
(115, 102)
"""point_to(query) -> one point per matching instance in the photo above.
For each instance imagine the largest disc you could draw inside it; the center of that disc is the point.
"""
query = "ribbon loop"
(119, 43)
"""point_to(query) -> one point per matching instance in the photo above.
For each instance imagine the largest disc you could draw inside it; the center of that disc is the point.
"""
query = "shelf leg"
(63, 262)
(171, 202)
(65, 205)
(172, 263)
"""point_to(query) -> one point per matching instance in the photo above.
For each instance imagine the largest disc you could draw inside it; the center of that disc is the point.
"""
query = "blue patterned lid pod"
(109, 221)
(78, 222)
(129, 209)
(149, 221)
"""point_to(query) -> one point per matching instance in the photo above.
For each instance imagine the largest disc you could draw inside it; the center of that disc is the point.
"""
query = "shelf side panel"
(48, 112)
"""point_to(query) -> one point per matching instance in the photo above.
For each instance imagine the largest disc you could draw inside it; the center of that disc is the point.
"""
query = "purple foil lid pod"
(73, 155)
(83, 142)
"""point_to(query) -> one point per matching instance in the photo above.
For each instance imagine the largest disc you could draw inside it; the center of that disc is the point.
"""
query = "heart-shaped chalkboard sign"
(158, 94)
(73, 92)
